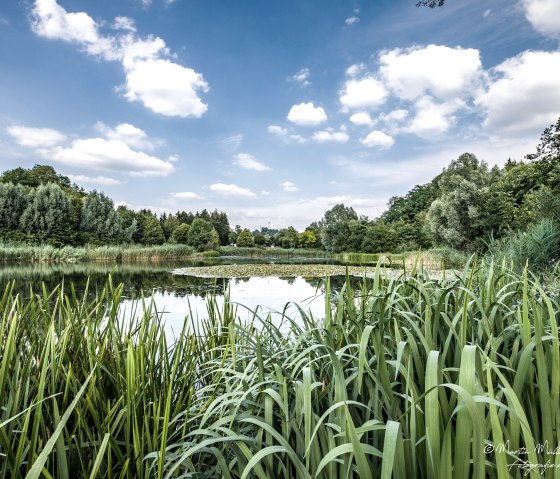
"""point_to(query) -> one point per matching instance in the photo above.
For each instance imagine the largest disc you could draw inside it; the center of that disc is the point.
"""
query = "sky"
(273, 111)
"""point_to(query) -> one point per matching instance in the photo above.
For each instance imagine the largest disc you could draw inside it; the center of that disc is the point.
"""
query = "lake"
(176, 296)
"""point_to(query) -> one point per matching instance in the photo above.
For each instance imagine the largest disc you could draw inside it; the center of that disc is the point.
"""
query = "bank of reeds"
(270, 251)
(410, 377)
(110, 253)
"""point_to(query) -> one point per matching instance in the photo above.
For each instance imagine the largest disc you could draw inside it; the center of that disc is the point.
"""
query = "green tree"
(13, 200)
(308, 239)
(169, 225)
(220, 222)
(453, 219)
(99, 217)
(181, 234)
(334, 227)
(245, 238)
(288, 237)
(48, 215)
(152, 231)
(203, 235)
(260, 239)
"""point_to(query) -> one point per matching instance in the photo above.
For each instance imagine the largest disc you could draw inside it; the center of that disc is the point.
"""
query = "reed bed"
(271, 251)
(110, 253)
(406, 377)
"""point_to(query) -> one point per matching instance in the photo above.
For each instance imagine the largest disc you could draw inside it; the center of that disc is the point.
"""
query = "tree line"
(465, 207)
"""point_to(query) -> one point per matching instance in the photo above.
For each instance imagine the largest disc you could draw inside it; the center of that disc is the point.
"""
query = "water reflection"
(178, 295)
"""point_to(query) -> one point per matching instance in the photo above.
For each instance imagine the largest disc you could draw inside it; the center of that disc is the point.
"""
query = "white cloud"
(110, 155)
(364, 93)
(158, 83)
(544, 15)
(362, 118)
(523, 94)
(35, 137)
(378, 139)
(244, 160)
(129, 134)
(232, 190)
(124, 23)
(306, 114)
(352, 20)
(94, 180)
(285, 133)
(277, 130)
(166, 88)
(186, 195)
(302, 77)
(289, 187)
(394, 116)
(431, 118)
(442, 71)
(329, 135)
(50, 20)
(487, 13)
(355, 69)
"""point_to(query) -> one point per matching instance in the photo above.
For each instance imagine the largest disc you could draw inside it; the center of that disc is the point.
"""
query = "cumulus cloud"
(352, 20)
(248, 162)
(110, 155)
(232, 190)
(378, 139)
(432, 118)
(161, 85)
(544, 15)
(289, 187)
(94, 180)
(129, 134)
(441, 71)
(363, 93)
(118, 152)
(329, 135)
(302, 77)
(307, 114)
(35, 137)
(186, 195)
(523, 93)
(362, 118)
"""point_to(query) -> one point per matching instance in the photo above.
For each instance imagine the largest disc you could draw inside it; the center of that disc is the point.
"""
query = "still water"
(176, 296)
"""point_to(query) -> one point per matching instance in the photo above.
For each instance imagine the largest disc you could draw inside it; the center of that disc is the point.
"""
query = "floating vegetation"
(305, 270)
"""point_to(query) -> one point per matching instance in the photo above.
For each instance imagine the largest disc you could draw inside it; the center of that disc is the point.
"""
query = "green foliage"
(169, 224)
(152, 231)
(407, 377)
(13, 201)
(203, 236)
(288, 238)
(539, 247)
(308, 239)
(99, 218)
(36, 176)
(260, 239)
(245, 239)
(48, 215)
(453, 219)
(181, 234)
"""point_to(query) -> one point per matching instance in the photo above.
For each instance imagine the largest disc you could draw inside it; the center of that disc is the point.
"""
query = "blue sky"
(271, 111)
